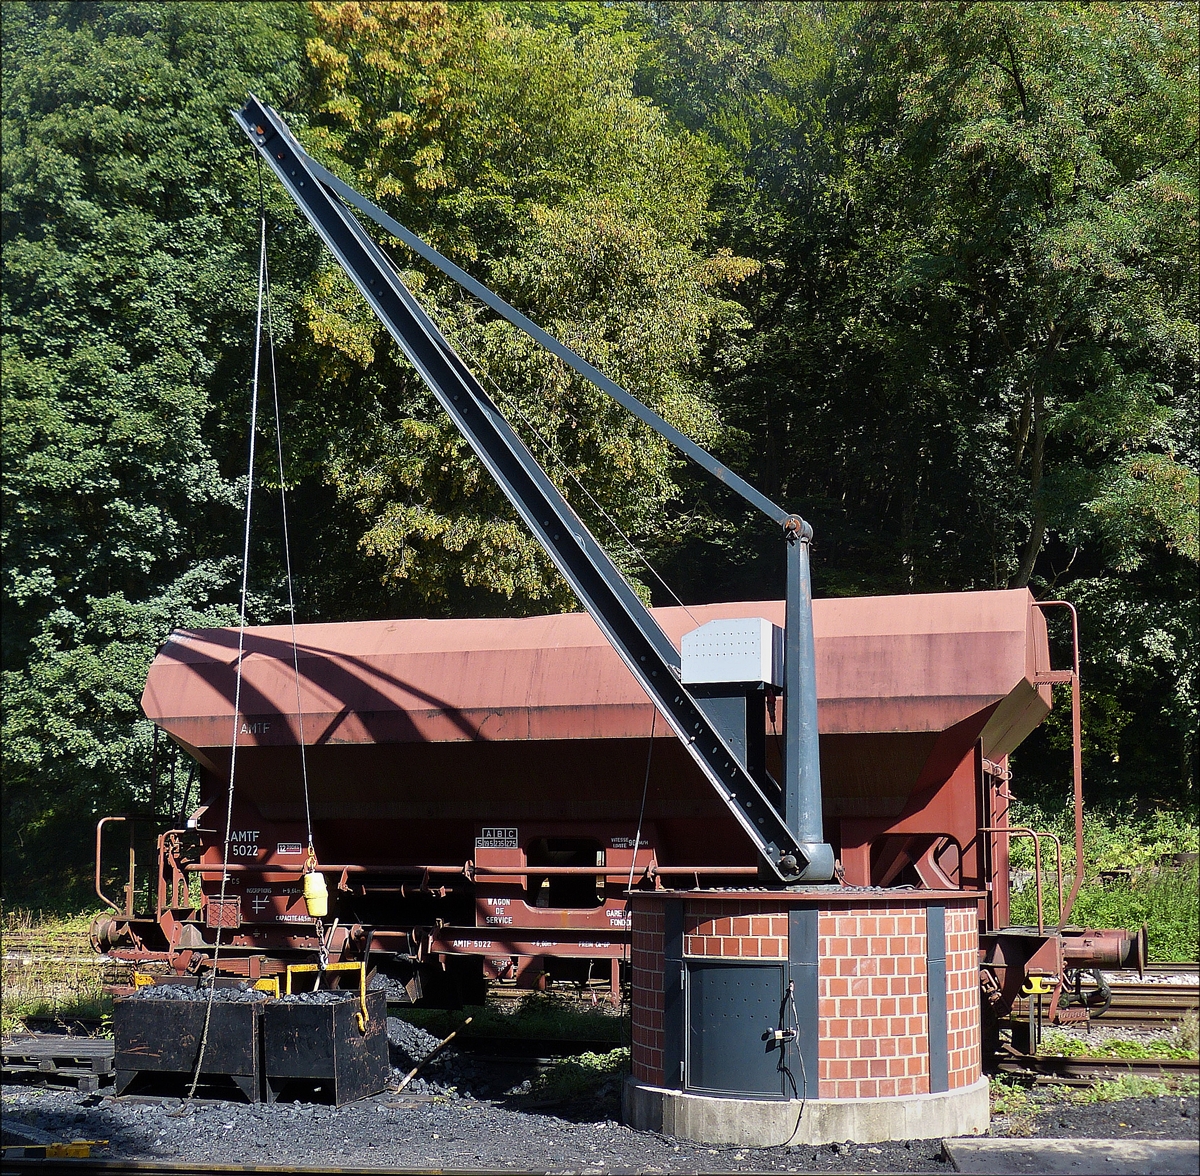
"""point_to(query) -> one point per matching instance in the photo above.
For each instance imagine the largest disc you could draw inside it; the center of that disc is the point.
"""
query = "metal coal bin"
(158, 1032)
(329, 1043)
(331, 1039)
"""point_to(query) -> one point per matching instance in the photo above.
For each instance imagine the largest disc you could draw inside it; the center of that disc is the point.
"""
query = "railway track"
(1086, 1071)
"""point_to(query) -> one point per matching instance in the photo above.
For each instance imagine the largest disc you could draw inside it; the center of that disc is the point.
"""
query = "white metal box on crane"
(746, 649)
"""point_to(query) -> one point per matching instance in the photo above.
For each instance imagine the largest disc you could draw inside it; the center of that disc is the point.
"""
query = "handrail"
(1025, 831)
(1076, 749)
(469, 869)
(99, 838)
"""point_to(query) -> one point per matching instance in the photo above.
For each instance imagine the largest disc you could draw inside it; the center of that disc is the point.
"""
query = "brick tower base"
(809, 1015)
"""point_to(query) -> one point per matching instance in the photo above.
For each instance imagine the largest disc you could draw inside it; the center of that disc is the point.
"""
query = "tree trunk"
(1037, 533)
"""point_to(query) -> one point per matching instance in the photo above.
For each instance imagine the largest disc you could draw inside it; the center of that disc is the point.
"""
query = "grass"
(1177, 1046)
(580, 1077)
(67, 984)
(537, 1015)
(1135, 1086)
(1167, 900)
(1015, 1099)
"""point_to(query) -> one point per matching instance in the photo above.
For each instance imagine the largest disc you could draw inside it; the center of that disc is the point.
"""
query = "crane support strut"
(622, 617)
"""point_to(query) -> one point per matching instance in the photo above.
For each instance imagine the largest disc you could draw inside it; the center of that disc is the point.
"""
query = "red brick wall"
(738, 930)
(872, 987)
(647, 965)
(962, 996)
(871, 990)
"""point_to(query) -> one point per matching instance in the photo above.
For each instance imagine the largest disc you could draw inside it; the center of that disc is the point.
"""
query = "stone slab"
(1074, 1157)
(748, 1122)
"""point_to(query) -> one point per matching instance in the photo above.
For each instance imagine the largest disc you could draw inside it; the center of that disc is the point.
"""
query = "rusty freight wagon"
(476, 785)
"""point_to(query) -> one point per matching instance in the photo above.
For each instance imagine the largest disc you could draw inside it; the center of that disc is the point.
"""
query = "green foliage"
(523, 152)
(1020, 1105)
(543, 1015)
(1165, 900)
(1136, 1086)
(1113, 840)
(581, 1076)
(67, 983)
(1064, 1045)
(974, 326)
(128, 298)
(926, 272)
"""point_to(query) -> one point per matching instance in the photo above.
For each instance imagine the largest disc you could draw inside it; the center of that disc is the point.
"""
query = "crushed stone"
(394, 1130)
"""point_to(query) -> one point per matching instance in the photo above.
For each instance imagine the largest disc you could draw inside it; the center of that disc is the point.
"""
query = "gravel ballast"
(454, 1132)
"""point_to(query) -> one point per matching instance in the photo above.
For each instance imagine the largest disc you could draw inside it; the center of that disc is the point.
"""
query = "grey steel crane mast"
(791, 842)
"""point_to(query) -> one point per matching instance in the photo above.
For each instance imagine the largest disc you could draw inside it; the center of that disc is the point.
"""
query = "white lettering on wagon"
(243, 843)
(254, 728)
(498, 919)
(491, 837)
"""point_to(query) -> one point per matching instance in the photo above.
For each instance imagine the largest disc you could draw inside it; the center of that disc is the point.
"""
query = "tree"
(129, 249)
(974, 341)
(523, 153)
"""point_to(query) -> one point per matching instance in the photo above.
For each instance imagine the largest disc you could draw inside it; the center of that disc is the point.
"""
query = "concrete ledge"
(750, 1122)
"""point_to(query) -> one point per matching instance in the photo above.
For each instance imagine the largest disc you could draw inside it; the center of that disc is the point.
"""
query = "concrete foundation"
(745, 1122)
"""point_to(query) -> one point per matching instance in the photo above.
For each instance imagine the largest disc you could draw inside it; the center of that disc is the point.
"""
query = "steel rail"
(1095, 1068)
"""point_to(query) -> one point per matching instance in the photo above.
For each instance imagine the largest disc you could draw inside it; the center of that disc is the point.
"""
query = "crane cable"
(264, 302)
(287, 553)
(237, 688)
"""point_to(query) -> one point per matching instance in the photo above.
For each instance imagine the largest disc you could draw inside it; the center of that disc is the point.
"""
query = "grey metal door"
(729, 1007)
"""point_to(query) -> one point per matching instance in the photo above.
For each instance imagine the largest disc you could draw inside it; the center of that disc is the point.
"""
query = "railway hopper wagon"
(484, 792)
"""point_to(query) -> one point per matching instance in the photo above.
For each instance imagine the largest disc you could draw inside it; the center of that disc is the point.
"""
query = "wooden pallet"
(84, 1061)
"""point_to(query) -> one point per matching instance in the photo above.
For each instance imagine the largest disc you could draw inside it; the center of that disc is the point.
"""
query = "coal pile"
(451, 1072)
(235, 994)
(323, 996)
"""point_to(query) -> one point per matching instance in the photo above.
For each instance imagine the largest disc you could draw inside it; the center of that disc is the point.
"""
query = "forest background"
(926, 273)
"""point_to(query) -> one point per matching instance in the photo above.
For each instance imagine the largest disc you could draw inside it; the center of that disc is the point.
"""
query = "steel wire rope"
(237, 688)
(637, 840)
(287, 549)
(637, 844)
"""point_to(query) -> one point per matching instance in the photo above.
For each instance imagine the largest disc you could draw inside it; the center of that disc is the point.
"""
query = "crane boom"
(625, 621)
